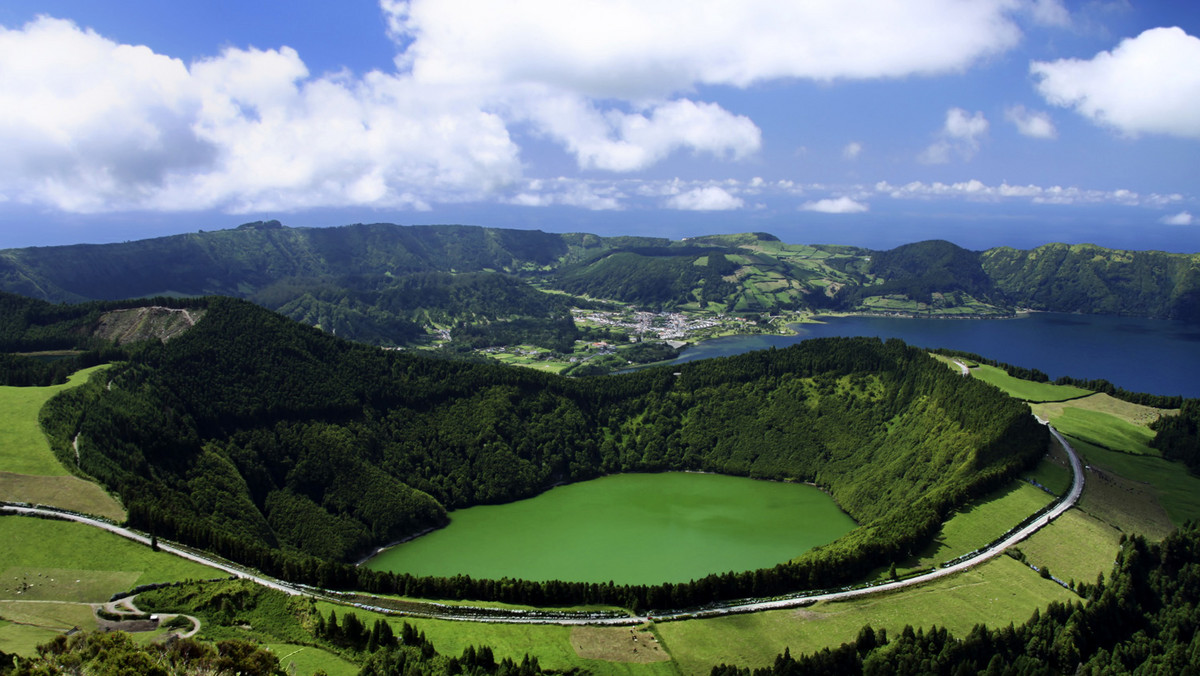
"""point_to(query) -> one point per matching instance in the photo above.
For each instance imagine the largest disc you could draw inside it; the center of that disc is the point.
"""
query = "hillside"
(404, 285)
(250, 434)
(1091, 279)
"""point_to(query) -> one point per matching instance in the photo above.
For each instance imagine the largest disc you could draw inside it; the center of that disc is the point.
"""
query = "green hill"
(396, 285)
(1091, 279)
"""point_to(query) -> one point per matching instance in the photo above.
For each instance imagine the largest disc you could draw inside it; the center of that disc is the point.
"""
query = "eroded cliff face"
(145, 323)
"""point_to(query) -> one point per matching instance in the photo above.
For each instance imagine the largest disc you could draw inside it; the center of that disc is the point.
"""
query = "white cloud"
(91, 125)
(978, 191)
(709, 198)
(835, 205)
(852, 150)
(1032, 123)
(632, 49)
(618, 141)
(591, 195)
(1181, 218)
(960, 136)
(1147, 84)
(602, 77)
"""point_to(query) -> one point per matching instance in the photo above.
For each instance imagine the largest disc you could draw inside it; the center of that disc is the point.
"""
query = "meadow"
(23, 446)
(29, 470)
(1098, 427)
(1026, 390)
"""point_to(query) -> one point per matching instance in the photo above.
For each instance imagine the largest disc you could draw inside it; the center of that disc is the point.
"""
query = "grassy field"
(67, 492)
(307, 660)
(1098, 428)
(23, 445)
(1134, 414)
(1026, 390)
(42, 549)
(1168, 483)
(23, 639)
(1057, 546)
(1053, 471)
(979, 524)
(996, 593)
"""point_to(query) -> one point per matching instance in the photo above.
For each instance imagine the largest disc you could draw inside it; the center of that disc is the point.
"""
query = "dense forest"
(284, 447)
(918, 271)
(1144, 619)
(388, 284)
(1091, 279)
(1178, 436)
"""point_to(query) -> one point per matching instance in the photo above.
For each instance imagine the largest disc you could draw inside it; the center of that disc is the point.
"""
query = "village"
(672, 327)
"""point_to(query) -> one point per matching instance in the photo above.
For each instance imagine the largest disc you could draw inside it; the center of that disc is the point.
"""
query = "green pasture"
(1075, 546)
(1170, 483)
(1100, 429)
(23, 445)
(307, 660)
(64, 491)
(1027, 390)
(1134, 414)
(978, 524)
(104, 563)
(1053, 471)
(48, 615)
(996, 593)
(23, 639)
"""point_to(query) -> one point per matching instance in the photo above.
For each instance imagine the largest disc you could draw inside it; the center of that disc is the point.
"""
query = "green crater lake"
(628, 528)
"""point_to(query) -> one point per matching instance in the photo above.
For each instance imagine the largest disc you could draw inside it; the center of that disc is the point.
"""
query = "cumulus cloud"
(631, 49)
(708, 198)
(835, 205)
(88, 124)
(1181, 218)
(1147, 84)
(960, 136)
(619, 141)
(91, 125)
(1032, 123)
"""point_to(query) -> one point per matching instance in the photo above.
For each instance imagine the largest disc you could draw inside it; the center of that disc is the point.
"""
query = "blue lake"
(1143, 355)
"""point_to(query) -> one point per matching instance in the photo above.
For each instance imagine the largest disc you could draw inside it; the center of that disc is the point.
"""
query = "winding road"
(550, 617)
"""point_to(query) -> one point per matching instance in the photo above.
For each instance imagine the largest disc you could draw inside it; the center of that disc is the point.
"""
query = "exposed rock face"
(146, 323)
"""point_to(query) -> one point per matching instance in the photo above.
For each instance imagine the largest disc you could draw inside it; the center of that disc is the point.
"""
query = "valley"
(282, 453)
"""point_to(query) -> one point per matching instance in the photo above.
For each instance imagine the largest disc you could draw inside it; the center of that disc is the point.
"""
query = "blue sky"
(867, 122)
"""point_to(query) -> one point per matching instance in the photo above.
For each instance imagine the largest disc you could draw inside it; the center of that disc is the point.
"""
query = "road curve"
(983, 555)
(550, 617)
